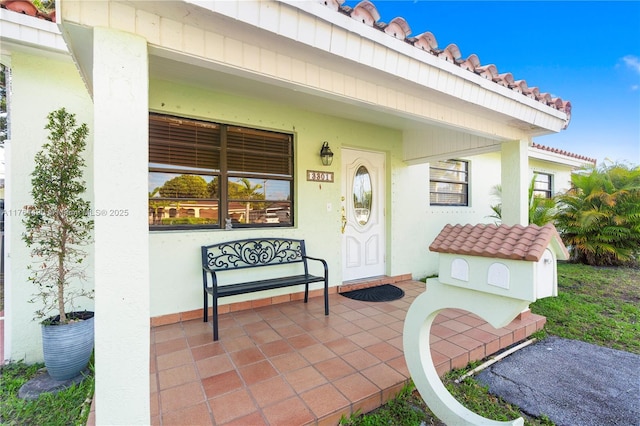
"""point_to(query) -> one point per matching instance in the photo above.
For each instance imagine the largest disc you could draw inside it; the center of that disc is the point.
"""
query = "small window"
(362, 195)
(542, 185)
(203, 175)
(449, 183)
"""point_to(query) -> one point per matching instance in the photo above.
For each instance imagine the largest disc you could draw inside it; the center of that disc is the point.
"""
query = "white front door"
(363, 201)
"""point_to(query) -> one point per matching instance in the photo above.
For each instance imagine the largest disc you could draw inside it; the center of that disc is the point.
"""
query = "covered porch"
(289, 364)
(296, 67)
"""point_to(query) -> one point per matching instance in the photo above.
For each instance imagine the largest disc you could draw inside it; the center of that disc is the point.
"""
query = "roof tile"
(26, 7)
(562, 152)
(367, 13)
(500, 241)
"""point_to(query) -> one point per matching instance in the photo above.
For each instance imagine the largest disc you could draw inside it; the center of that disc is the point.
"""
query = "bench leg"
(326, 297)
(215, 318)
(205, 309)
(306, 292)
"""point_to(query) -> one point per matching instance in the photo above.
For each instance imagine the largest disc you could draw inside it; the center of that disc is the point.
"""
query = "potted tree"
(58, 228)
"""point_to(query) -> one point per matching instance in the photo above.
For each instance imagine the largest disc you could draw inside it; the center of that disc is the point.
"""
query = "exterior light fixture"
(326, 155)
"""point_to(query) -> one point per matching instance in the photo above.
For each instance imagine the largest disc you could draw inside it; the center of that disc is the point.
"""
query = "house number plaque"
(317, 176)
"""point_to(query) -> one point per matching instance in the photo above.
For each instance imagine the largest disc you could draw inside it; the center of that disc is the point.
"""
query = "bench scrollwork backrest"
(252, 252)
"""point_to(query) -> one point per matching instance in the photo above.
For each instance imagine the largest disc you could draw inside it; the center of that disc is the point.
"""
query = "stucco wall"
(175, 266)
(484, 175)
(561, 180)
(39, 86)
(411, 222)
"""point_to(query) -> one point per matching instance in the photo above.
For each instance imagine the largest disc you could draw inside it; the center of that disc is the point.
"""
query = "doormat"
(381, 293)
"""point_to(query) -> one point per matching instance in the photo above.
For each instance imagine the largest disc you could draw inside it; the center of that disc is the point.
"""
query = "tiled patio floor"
(288, 364)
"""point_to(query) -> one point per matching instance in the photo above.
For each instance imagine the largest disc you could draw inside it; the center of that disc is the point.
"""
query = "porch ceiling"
(277, 91)
(164, 65)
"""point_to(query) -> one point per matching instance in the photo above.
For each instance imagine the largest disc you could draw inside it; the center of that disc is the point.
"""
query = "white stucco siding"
(561, 174)
(484, 175)
(410, 220)
(23, 29)
(233, 47)
(438, 143)
(515, 182)
(36, 85)
(122, 254)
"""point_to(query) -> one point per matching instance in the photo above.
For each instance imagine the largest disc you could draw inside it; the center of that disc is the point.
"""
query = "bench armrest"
(324, 263)
(214, 277)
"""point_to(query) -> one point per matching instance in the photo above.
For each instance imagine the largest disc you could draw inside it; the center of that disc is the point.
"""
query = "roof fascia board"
(465, 153)
(452, 85)
(18, 29)
(320, 11)
(554, 157)
(533, 153)
(513, 104)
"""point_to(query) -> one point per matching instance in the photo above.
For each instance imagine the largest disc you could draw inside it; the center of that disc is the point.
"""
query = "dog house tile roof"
(500, 241)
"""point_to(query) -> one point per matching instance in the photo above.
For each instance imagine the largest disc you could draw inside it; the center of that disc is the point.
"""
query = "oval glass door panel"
(362, 195)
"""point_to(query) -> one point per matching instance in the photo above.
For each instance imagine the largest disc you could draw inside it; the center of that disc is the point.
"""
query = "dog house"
(514, 261)
(493, 271)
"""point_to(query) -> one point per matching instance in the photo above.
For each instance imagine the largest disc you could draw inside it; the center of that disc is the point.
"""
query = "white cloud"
(632, 62)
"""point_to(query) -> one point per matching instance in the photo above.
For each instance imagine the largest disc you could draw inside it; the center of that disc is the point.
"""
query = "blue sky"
(585, 52)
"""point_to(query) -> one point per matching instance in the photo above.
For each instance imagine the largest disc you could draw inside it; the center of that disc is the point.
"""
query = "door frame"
(369, 239)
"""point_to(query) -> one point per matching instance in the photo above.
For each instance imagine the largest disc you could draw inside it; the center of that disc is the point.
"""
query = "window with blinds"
(212, 175)
(449, 183)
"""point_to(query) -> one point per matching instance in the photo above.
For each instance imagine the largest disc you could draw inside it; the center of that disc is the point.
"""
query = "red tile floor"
(288, 364)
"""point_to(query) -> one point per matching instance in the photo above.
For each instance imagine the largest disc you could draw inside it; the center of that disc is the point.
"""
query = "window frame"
(464, 183)
(223, 200)
(548, 191)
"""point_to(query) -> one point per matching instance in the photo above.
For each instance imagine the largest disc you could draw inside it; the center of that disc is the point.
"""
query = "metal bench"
(257, 253)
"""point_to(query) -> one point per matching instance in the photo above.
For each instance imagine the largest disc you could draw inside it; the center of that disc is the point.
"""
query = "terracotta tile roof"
(27, 7)
(366, 13)
(500, 241)
(565, 153)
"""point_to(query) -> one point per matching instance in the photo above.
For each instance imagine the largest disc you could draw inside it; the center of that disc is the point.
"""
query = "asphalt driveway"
(571, 382)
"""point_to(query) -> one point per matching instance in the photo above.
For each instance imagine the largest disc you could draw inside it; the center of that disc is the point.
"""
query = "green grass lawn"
(594, 305)
(66, 408)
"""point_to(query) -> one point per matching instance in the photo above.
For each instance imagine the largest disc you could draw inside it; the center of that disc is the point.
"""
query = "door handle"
(344, 220)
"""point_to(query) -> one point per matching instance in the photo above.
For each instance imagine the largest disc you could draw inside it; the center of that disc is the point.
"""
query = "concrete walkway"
(571, 382)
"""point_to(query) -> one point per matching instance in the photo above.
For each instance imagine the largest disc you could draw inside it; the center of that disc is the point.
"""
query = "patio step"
(372, 282)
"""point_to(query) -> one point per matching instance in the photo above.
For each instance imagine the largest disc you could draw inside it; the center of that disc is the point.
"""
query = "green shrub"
(541, 209)
(599, 217)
